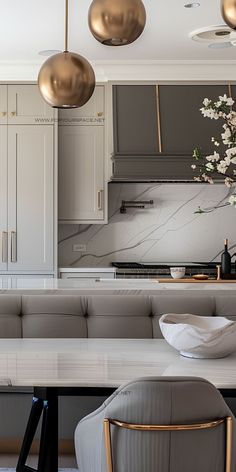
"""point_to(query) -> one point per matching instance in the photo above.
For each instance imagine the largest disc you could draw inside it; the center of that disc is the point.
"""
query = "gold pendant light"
(66, 80)
(117, 22)
(228, 8)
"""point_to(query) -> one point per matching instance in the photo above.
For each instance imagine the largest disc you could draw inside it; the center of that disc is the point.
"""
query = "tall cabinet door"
(30, 198)
(3, 104)
(81, 174)
(3, 197)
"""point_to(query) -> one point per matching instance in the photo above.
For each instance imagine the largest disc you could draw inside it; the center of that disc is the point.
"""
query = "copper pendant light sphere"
(116, 22)
(66, 80)
(228, 9)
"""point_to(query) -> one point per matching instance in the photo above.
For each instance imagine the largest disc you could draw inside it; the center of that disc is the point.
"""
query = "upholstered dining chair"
(167, 424)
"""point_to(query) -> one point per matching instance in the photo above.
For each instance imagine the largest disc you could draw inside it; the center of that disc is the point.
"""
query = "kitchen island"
(108, 286)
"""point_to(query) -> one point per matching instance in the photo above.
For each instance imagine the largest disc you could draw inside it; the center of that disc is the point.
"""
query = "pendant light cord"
(66, 24)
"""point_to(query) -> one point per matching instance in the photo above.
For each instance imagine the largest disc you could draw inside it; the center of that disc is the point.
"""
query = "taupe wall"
(167, 232)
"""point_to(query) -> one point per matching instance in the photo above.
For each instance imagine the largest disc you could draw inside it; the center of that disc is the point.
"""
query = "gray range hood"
(157, 127)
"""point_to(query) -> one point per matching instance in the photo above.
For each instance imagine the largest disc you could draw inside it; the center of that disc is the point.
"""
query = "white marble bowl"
(199, 337)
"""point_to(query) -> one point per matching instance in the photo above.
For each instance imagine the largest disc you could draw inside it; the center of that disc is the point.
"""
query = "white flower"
(230, 156)
(229, 182)
(232, 119)
(227, 100)
(209, 167)
(232, 200)
(206, 102)
(216, 143)
(214, 157)
(208, 179)
(210, 113)
(230, 102)
(227, 160)
(231, 151)
(222, 167)
(193, 166)
(226, 135)
(197, 179)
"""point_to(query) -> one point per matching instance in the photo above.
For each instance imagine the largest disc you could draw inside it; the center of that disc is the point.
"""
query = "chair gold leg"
(229, 433)
(107, 434)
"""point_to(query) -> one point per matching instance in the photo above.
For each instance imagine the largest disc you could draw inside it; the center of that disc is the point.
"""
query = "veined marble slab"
(169, 230)
(102, 363)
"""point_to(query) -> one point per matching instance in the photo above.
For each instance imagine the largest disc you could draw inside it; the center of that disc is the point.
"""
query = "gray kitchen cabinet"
(82, 186)
(183, 127)
(81, 174)
(92, 113)
(135, 119)
(3, 198)
(23, 105)
(30, 198)
(27, 199)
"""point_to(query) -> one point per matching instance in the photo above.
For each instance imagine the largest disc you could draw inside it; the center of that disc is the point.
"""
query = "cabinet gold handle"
(3, 113)
(4, 246)
(100, 113)
(13, 113)
(100, 200)
(13, 247)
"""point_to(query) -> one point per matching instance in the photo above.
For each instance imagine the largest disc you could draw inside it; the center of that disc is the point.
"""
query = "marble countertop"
(134, 286)
(102, 363)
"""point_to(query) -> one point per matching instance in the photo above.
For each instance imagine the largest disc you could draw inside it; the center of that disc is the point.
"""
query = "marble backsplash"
(167, 231)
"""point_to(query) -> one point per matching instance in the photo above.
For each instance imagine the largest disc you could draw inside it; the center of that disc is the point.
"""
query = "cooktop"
(155, 269)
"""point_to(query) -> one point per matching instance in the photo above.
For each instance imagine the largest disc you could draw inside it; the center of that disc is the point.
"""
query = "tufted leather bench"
(109, 316)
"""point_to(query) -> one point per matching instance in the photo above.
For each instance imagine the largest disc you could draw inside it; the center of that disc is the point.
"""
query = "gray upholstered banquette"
(100, 316)
(65, 316)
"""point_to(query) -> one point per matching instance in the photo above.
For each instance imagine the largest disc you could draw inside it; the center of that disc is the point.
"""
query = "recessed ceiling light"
(212, 34)
(192, 5)
(49, 52)
(220, 45)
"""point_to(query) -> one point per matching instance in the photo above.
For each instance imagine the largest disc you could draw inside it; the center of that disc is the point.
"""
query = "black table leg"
(35, 414)
(48, 452)
(45, 401)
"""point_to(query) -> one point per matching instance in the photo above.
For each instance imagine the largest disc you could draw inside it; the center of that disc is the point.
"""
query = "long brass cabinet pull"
(13, 113)
(3, 113)
(4, 246)
(13, 247)
(100, 200)
(158, 105)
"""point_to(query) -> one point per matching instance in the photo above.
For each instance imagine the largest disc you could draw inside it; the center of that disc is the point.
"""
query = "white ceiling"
(28, 26)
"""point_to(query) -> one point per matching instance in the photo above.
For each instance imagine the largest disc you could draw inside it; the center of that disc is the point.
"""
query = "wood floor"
(65, 461)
